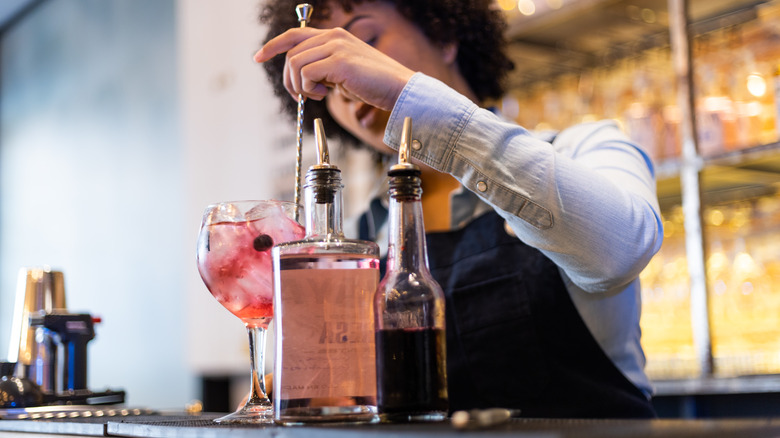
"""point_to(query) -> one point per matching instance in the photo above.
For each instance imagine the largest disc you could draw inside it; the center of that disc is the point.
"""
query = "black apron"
(514, 337)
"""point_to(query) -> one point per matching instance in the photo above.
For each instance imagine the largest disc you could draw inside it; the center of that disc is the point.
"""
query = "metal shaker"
(39, 291)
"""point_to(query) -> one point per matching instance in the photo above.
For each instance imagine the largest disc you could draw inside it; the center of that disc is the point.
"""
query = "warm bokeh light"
(756, 84)
(648, 16)
(716, 217)
(506, 5)
(526, 7)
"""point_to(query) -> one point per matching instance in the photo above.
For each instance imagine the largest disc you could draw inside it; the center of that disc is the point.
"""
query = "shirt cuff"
(439, 115)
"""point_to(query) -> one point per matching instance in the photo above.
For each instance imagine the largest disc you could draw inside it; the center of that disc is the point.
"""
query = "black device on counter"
(72, 331)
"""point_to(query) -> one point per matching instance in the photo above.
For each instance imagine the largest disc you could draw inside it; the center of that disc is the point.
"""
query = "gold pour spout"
(405, 149)
(323, 154)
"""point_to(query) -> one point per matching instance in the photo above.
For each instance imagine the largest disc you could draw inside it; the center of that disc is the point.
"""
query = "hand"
(318, 60)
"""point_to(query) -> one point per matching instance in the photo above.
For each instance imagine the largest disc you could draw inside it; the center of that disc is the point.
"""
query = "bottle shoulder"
(410, 283)
(329, 246)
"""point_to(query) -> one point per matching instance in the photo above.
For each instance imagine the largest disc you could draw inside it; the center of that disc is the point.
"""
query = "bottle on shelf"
(324, 368)
(776, 89)
(409, 308)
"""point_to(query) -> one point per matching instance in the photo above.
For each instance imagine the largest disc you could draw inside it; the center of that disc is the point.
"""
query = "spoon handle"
(303, 11)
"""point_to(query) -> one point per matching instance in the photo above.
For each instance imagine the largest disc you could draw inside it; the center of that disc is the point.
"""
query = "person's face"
(380, 25)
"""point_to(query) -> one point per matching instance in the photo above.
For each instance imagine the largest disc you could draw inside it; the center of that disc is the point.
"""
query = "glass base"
(330, 414)
(249, 414)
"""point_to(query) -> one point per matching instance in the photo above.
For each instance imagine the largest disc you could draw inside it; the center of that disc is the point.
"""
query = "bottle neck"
(407, 250)
(322, 196)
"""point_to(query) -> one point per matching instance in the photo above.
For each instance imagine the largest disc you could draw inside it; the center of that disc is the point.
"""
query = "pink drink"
(234, 259)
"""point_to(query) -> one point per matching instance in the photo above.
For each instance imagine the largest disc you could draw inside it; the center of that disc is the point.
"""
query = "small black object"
(87, 397)
(263, 242)
(75, 331)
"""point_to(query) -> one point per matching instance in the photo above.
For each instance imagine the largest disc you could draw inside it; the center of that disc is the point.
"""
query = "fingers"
(300, 55)
(298, 84)
(318, 60)
(282, 43)
(309, 72)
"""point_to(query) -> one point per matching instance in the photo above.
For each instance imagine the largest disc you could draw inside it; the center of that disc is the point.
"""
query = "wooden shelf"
(584, 34)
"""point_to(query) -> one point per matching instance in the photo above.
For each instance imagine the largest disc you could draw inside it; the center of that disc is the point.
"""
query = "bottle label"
(325, 346)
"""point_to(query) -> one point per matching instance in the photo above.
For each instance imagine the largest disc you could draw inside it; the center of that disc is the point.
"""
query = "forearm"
(595, 218)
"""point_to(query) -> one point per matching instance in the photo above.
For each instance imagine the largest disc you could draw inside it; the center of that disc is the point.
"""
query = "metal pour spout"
(323, 180)
(405, 149)
(323, 154)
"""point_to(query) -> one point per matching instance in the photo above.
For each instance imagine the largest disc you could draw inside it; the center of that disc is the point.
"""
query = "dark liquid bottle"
(409, 309)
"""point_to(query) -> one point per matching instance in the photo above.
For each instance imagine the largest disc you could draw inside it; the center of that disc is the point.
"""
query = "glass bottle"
(776, 84)
(324, 368)
(409, 309)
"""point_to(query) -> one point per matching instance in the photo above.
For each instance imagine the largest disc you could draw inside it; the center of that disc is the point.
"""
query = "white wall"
(91, 183)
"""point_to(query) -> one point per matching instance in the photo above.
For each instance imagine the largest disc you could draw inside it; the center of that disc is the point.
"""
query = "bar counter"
(180, 425)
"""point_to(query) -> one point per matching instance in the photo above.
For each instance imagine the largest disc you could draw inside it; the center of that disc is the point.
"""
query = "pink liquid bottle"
(325, 367)
(409, 309)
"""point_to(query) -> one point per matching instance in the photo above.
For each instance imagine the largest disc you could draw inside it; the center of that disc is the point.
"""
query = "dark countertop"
(173, 425)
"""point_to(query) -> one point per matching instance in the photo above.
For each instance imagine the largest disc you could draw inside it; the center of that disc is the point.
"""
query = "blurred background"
(120, 120)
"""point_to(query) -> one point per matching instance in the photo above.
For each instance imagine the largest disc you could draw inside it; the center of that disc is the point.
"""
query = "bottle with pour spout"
(324, 368)
(409, 308)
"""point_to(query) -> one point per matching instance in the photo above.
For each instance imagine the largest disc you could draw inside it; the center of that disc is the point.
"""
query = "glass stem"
(257, 394)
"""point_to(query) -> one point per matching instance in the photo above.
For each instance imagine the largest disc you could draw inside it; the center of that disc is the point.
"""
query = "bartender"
(537, 238)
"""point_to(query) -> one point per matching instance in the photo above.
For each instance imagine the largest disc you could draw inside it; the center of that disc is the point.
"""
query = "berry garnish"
(263, 242)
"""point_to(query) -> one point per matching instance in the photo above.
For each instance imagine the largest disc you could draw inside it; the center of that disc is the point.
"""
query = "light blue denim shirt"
(587, 201)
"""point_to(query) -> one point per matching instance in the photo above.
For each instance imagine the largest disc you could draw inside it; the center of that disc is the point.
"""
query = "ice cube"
(226, 240)
(264, 209)
(289, 230)
(225, 213)
(272, 220)
(259, 274)
(238, 300)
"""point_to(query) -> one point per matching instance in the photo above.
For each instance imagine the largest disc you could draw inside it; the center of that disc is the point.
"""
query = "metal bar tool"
(304, 11)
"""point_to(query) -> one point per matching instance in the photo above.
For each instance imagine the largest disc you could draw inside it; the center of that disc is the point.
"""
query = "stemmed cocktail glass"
(234, 260)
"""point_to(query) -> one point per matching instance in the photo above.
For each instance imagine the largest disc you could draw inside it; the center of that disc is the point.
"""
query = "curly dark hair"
(474, 25)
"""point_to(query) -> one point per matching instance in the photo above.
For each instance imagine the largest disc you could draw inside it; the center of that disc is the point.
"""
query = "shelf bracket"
(690, 176)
